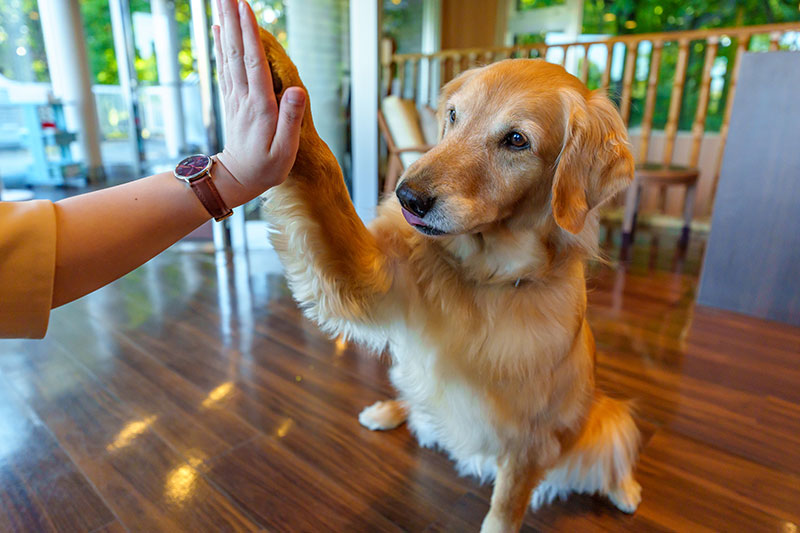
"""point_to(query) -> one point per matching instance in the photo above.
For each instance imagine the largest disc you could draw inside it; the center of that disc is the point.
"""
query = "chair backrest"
(402, 121)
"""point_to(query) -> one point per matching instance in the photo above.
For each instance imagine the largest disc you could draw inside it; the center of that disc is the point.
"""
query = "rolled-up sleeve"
(27, 267)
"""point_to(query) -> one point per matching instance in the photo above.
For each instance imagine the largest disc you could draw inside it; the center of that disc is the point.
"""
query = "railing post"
(650, 99)
(627, 80)
(744, 44)
(606, 80)
(699, 125)
(676, 96)
(585, 65)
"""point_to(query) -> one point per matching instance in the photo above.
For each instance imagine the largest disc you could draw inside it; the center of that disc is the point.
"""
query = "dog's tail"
(601, 459)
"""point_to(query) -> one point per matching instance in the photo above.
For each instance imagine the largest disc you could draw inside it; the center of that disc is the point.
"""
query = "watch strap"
(209, 196)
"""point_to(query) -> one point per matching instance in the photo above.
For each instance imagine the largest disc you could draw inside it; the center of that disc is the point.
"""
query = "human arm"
(103, 235)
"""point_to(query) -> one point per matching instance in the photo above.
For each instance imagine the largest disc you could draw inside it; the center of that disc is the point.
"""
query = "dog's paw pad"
(283, 71)
(627, 496)
(277, 84)
(382, 415)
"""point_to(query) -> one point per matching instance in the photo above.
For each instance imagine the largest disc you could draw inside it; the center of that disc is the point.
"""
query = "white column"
(315, 31)
(65, 46)
(202, 52)
(431, 43)
(123, 50)
(364, 68)
(169, 78)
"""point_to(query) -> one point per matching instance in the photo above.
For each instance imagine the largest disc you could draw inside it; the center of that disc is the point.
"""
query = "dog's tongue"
(412, 219)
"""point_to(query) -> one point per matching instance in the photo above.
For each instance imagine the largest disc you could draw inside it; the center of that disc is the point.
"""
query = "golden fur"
(492, 357)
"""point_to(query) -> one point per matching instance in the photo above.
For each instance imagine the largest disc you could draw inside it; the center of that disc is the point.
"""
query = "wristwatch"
(195, 170)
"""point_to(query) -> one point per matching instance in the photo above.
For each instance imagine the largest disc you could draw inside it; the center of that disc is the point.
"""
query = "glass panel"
(168, 86)
(24, 82)
(112, 112)
(22, 55)
(316, 33)
(402, 21)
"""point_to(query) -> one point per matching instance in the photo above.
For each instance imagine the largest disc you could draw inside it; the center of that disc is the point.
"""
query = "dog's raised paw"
(283, 71)
(383, 415)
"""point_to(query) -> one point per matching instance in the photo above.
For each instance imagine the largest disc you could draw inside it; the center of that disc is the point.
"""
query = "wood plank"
(186, 417)
(41, 489)
(273, 485)
(751, 485)
(113, 527)
(144, 482)
(679, 503)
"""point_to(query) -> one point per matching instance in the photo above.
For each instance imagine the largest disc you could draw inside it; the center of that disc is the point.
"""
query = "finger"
(221, 74)
(259, 77)
(287, 134)
(232, 46)
(219, 13)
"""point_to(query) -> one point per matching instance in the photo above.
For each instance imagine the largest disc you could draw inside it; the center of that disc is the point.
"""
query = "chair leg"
(393, 171)
(631, 209)
(688, 211)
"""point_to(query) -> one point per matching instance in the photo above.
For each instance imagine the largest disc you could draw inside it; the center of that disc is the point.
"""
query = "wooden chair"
(666, 174)
(397, 162)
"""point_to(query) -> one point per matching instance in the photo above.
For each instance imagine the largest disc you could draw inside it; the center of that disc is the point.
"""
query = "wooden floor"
(192, 396)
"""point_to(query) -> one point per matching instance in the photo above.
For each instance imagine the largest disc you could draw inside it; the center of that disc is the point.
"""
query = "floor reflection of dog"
(473, 276)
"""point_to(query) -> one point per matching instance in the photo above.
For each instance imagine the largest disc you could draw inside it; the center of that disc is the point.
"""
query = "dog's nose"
(415, 201)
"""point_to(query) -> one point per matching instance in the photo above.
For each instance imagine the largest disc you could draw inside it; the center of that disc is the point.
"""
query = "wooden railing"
(633, 70)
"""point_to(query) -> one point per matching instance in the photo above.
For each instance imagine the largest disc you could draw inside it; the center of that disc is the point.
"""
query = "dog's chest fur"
(475, 364)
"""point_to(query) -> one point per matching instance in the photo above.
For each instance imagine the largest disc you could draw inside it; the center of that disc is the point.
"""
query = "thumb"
(287, 134)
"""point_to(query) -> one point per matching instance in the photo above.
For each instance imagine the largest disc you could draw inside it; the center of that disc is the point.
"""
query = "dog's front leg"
(517, 475)
(337, 270)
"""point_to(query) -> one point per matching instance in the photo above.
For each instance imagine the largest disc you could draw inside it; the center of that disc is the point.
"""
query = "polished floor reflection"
(192, 396)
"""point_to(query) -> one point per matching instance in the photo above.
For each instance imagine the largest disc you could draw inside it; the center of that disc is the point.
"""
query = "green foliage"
(635, 16)
(629, 16)
(99, 41)
(524, 5)
(529, 38)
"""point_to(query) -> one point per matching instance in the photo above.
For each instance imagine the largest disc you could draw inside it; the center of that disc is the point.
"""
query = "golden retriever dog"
(473, 276)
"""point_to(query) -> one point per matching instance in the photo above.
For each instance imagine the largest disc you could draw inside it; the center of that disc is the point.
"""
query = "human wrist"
(231, 190)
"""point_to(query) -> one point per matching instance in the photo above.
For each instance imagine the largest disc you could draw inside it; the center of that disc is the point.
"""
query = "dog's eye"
(452, 116)
(516, 141)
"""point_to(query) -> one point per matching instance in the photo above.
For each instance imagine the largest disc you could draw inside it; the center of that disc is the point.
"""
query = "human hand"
(261, 141)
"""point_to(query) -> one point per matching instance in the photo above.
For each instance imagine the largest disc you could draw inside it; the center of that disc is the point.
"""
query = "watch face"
(192, 166)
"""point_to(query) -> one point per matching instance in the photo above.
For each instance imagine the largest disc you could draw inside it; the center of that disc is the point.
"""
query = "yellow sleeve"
(27, 267)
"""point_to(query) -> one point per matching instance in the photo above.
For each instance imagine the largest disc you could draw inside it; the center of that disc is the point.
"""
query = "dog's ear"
(595, 161)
